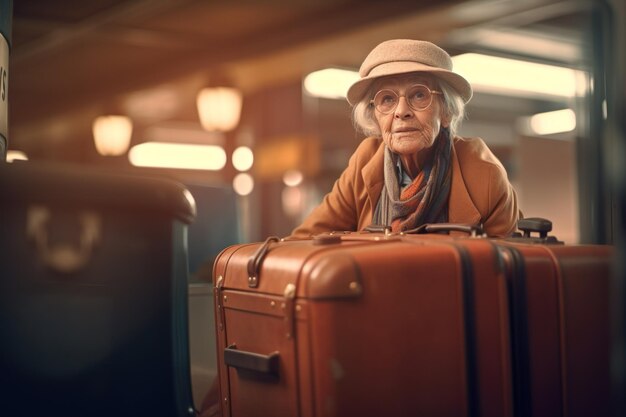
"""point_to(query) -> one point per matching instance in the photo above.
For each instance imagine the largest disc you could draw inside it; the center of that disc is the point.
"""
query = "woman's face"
(404, 130)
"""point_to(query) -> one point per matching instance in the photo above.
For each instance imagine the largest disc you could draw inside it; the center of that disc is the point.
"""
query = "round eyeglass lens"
(418, 97)
(386, 100)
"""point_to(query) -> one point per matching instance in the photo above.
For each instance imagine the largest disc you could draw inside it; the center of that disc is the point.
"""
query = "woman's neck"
(413, 164)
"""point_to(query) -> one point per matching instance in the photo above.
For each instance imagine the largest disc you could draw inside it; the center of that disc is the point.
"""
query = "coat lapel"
(373, 177)
(461, 208)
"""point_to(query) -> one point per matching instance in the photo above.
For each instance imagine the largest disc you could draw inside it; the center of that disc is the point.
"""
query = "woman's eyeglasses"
(418, 97)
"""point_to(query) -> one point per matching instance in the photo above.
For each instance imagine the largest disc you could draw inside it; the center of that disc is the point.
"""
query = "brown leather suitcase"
(366, 325)
(371, 324)
(559, 298)
(560, 321)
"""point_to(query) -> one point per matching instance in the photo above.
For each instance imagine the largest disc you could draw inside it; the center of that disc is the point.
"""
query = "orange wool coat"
(480, 191)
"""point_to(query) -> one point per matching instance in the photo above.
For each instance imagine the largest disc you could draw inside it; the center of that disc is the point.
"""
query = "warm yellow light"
(292, 178)
(497, 75)
(112, 134)
(243, 158)
(176, 155)
(219, 108)
(243, 184)
(293, 201)
(553, 122)
(16, 156)
(274, 157)
(330, 82)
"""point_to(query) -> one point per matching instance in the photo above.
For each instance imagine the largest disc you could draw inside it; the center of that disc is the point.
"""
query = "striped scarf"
(425, 199)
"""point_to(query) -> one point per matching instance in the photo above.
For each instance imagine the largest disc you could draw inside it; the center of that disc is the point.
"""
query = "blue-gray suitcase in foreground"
(93, 293)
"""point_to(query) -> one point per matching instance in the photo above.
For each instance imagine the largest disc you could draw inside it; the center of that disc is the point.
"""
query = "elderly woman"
(413, 169)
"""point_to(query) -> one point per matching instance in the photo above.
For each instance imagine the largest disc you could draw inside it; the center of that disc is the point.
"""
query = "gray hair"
(363, 113)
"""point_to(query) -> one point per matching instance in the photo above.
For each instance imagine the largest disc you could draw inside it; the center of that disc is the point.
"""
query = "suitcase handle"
(474, 230)
(535, 224)
(250, 361)
(255, 261)
(63, 257)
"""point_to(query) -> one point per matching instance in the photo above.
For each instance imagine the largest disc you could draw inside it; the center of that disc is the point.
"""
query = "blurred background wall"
(148, 61)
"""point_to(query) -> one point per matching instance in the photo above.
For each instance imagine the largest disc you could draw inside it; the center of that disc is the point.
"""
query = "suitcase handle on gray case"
(250, 361)
(255, 261)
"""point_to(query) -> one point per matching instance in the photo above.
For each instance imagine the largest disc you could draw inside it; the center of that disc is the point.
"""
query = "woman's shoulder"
(369, 146)
(474, 150)
(366, 150)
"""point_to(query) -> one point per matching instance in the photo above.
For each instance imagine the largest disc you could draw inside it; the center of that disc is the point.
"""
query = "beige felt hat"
(401, 56)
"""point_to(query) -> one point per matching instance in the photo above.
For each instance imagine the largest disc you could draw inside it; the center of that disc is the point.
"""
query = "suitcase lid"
(46, 182)
(317, 268)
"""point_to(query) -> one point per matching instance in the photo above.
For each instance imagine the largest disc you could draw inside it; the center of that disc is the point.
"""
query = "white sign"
(4, 84)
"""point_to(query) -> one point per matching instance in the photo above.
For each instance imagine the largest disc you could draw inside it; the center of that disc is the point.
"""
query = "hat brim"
(458, 83)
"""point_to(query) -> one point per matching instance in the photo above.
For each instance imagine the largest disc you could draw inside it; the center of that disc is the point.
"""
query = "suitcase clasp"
(254, 263)
(219, 286)
(289, 307)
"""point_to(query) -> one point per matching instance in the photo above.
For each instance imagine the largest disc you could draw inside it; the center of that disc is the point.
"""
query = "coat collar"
(461, 208)
(373, 176)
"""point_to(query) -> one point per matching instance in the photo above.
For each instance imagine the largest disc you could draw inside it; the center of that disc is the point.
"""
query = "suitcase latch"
(219, 286)
(254, 263)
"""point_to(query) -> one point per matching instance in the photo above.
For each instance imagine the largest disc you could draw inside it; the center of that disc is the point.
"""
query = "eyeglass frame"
(404, 95)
